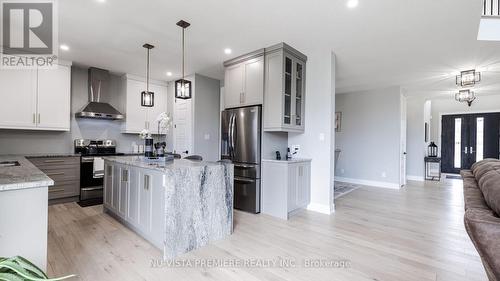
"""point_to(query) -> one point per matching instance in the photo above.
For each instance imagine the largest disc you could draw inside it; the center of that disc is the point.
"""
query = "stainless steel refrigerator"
(241, 143)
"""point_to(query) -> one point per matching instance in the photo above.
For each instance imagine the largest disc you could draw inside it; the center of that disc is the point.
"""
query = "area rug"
(343, 188)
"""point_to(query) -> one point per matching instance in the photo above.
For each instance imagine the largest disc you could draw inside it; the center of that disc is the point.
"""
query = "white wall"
(370, 137)
(318, 140)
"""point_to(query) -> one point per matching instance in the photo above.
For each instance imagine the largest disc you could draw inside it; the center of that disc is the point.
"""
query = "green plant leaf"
(10, 277)
(20, 269)
(30, 267)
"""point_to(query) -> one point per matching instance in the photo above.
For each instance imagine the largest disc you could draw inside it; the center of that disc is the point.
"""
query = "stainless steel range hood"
(98, 84)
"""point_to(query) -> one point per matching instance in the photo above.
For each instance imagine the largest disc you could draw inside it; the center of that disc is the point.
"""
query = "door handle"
(471, 150)
(466, 150)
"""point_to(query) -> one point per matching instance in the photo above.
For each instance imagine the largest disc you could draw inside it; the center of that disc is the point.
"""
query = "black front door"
(468, 138)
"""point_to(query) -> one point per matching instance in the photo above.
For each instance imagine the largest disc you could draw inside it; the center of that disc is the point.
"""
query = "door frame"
(440, 121)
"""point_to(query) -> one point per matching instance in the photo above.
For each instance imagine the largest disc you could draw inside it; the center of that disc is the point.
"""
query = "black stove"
(92, 168)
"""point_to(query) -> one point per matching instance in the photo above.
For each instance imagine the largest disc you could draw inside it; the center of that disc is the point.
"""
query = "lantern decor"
(432, 150)
(147, 97)
(182, 86)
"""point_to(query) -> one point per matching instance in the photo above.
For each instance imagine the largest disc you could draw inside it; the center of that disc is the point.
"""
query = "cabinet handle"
(146, 182)
(54, 161)
(38, 118)
(34, 118)
(56, 174)
(125, 176)
(242, 97)
(301, 172)
(56, 189)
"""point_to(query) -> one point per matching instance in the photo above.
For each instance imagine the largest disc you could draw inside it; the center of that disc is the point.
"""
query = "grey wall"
(26, 142)
(370, 135)
(206, 117)
(415, 137)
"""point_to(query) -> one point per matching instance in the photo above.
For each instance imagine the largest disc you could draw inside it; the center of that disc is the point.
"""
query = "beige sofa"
(482, 209)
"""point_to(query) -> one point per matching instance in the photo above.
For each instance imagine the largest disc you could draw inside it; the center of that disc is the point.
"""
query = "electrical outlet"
(384, 174)
(322, 137)
(342, 171)
(207, 136)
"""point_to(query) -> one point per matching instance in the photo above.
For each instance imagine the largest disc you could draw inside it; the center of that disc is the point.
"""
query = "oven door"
(91, 186)
(247, 194)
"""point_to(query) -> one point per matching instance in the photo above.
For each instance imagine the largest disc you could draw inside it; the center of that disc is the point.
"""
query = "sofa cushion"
(473, 197)
(487, 175)
(484, 230)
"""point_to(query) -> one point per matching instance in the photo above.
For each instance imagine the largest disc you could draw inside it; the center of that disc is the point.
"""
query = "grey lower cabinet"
(135, 196)
(65, 172)
(286, 186)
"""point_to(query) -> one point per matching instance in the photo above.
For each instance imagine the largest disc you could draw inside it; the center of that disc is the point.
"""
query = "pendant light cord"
(147, 74)
(183, 54)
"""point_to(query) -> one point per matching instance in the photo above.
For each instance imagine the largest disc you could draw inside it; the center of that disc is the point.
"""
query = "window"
(479, 138)
(458, 143)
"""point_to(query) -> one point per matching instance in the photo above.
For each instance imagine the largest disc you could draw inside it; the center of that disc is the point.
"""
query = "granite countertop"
(293, 160)
(26, 175)
(142, 162)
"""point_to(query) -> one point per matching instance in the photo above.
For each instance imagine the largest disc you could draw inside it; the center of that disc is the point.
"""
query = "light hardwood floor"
(416, 233)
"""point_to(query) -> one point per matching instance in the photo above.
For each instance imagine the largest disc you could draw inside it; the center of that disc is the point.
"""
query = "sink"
(9, 164)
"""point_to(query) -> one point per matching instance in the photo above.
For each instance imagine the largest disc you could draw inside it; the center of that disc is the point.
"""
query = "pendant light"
(468, 78)
(467, 96)
(147, 97)
(183, 86)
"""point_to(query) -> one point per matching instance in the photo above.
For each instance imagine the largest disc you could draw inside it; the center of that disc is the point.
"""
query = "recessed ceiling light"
(101, 1)
(227, 51)
(351, 4)
(64, 47)
(169, 73)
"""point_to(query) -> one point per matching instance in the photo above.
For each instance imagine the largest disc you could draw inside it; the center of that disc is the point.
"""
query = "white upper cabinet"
(284, 102)
(138, 117)
(54, 98)
(18, 94)
(244, 80)
(36, 99)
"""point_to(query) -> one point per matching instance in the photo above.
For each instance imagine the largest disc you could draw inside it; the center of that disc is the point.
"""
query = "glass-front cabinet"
(284, 104)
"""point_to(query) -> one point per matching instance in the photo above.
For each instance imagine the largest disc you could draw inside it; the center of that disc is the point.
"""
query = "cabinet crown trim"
(287, 48)
(245, 57)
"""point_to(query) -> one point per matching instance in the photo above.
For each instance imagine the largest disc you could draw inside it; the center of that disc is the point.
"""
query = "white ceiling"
(418, 44)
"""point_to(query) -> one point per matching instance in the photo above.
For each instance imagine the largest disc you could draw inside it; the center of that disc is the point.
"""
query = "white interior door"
(183, 127)
(403, 142)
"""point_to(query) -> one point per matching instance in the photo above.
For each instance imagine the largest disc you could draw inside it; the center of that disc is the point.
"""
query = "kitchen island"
(23, 210)
(178, 206)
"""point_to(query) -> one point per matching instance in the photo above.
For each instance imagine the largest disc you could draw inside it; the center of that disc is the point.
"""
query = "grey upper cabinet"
(244, 80)
(284, 94)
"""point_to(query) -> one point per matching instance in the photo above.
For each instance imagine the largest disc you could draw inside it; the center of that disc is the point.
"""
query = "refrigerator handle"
(230, 136)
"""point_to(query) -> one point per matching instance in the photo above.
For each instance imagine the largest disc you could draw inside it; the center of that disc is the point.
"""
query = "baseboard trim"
(319, 208)
(415, 178)
(369, 183)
